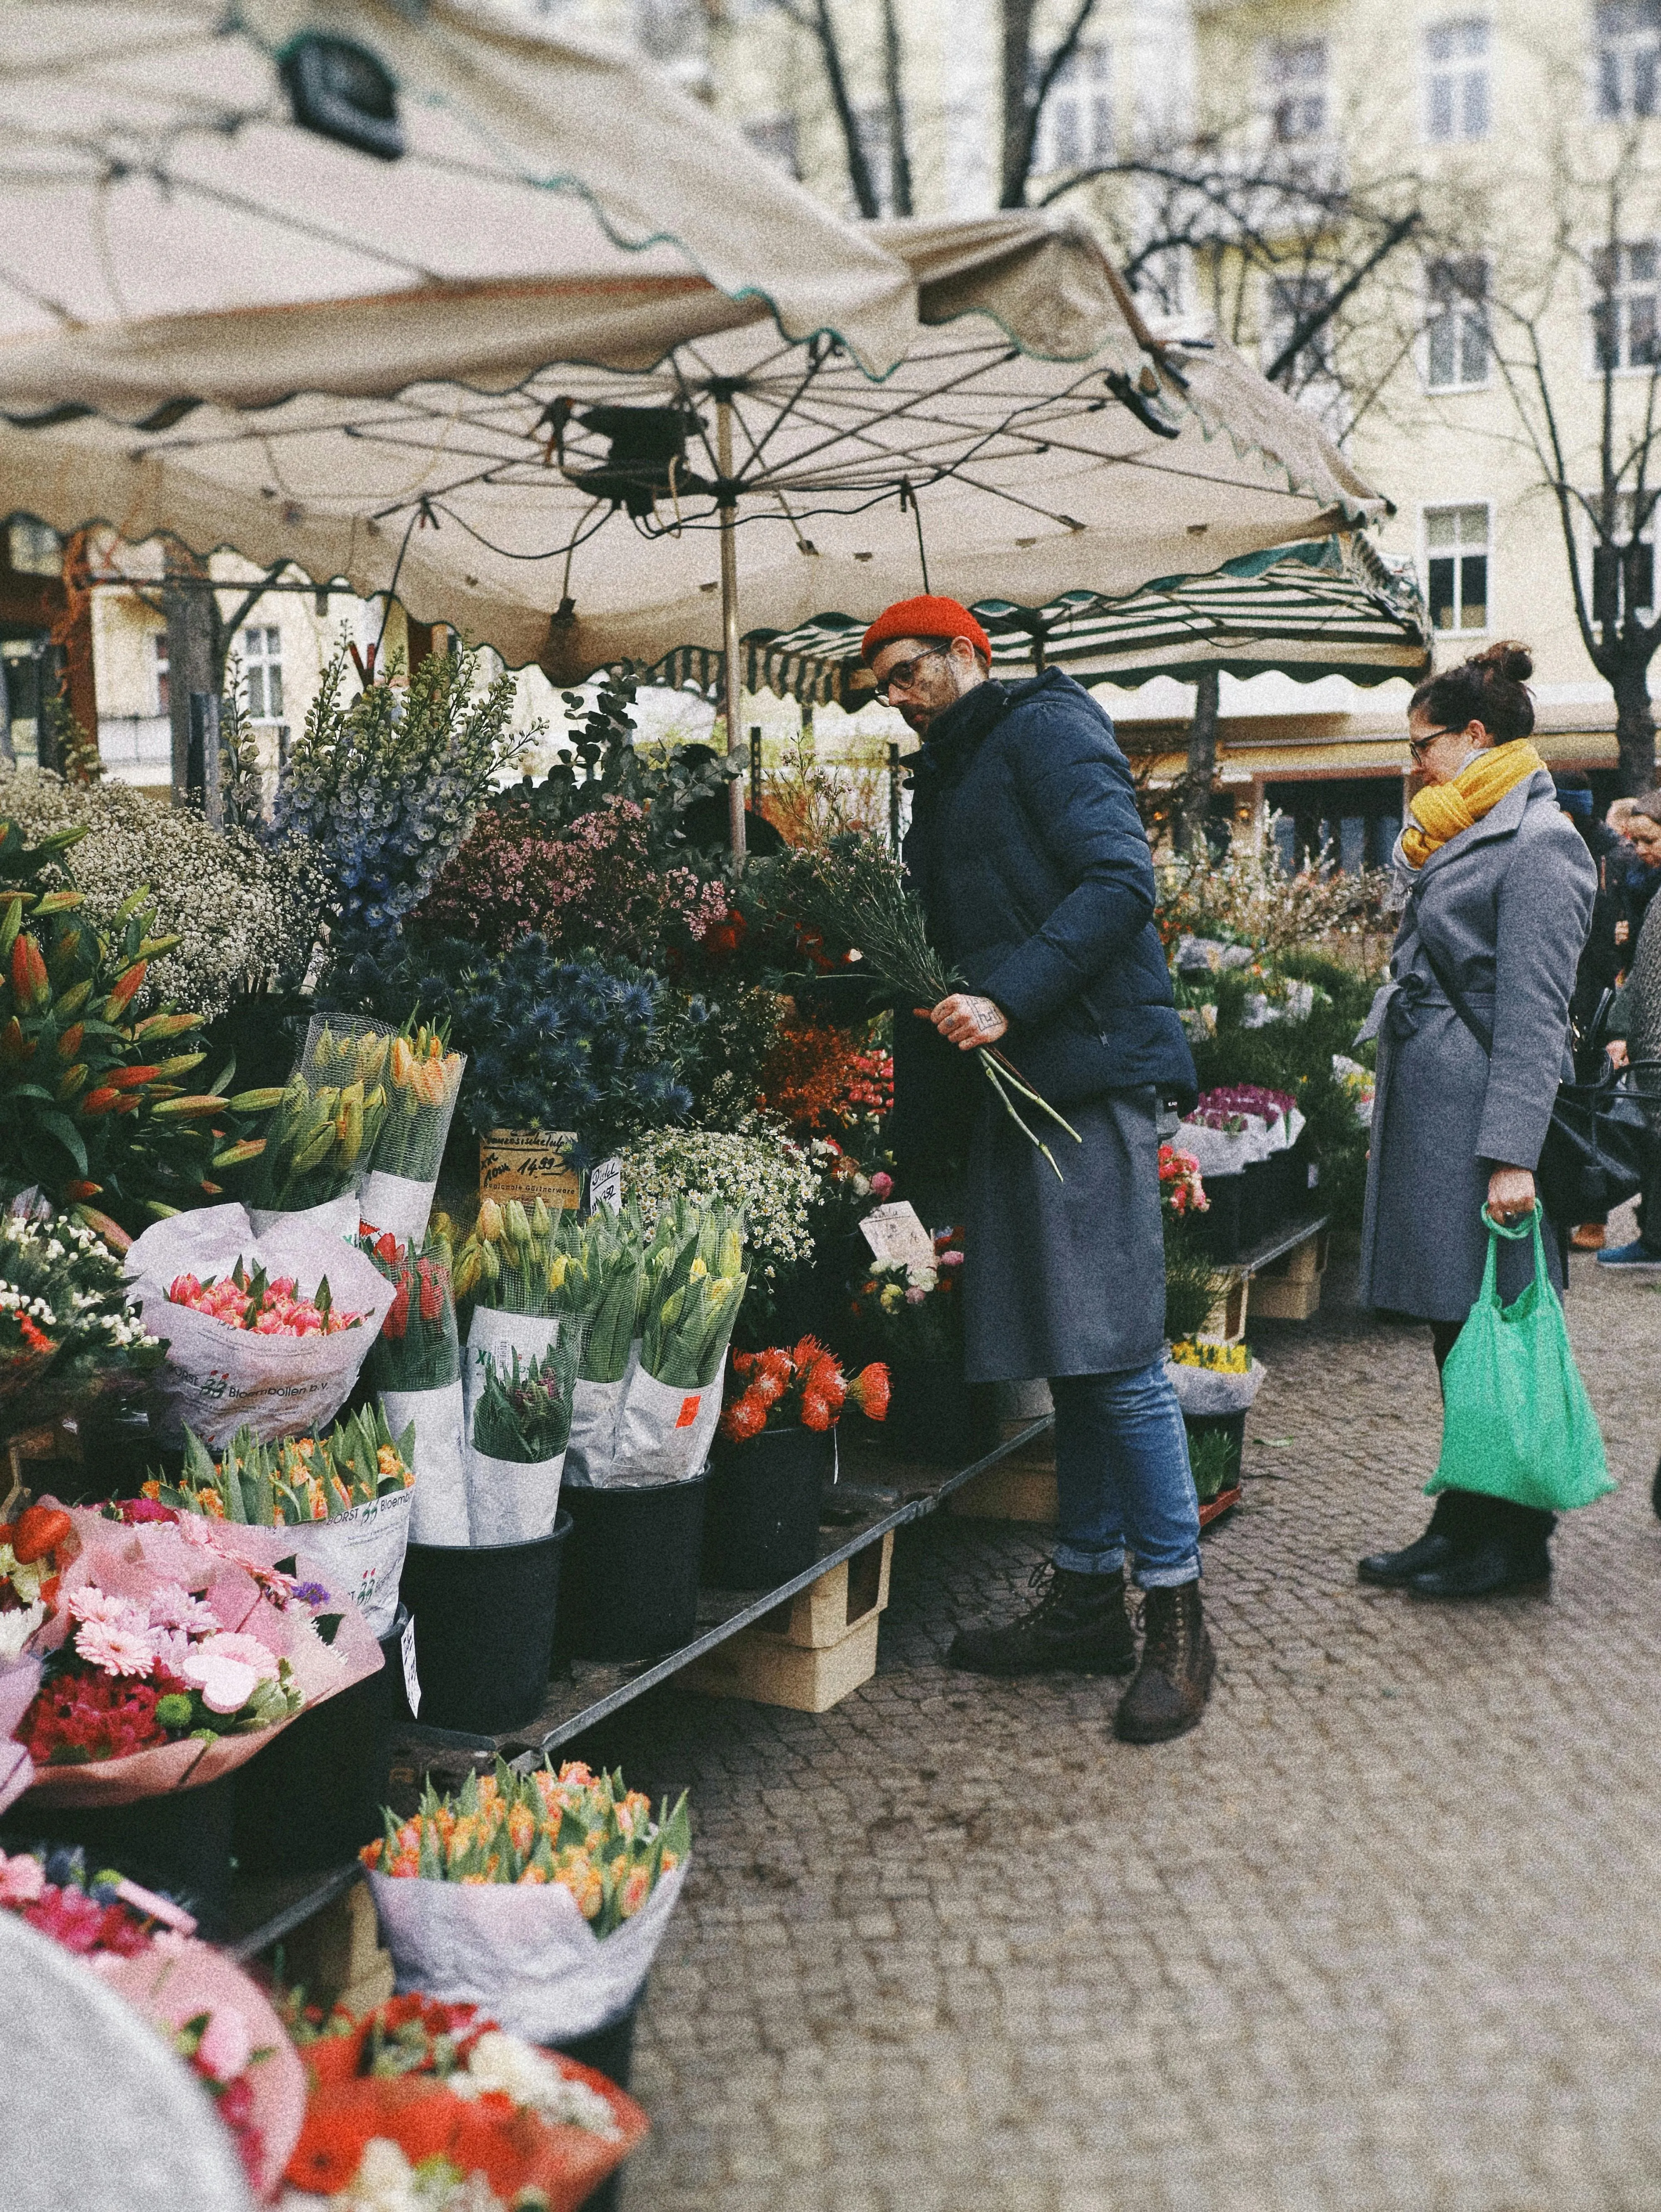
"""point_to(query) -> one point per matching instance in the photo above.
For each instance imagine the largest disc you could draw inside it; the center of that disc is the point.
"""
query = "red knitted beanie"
(925, 617)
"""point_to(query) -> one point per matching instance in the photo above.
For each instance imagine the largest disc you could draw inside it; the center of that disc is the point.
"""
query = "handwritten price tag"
(529, 1163)
(894, 1232)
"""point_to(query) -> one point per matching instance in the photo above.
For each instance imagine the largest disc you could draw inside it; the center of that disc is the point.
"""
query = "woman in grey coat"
(1499, 900)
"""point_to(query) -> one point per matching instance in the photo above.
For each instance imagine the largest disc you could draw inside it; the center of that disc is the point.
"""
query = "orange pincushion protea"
(804, 1386)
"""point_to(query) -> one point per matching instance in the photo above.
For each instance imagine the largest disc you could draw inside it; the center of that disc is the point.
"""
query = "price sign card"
(894, 1232)
(527, 1164)
(605, 1185)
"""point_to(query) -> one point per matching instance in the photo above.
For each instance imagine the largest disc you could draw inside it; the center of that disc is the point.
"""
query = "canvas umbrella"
(1033, 440)
(1330, 607)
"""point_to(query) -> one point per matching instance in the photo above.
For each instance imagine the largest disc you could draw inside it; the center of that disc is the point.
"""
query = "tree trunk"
(858, 168)
(192, 620)
(1017, 152)
(1202, 764)
(899, 147)
(1635, 728)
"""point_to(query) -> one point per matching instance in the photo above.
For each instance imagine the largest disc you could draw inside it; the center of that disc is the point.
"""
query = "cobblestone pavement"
(1382, 1933)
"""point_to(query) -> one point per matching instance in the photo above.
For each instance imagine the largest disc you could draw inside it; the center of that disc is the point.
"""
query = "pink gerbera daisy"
(117, 1650)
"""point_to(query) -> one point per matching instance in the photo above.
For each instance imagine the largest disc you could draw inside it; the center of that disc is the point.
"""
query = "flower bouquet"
(775, 1451)
(423, 1081)
(858, 897)
(415, 1366)
(67, 1334)
(541, 1897)
(432, 2106)
(174, 1646)
(912, 1312)
(692, 1283)
(802, 1387)
(517, 1433)
(604, 1272)
(1232, 1127)
(319, 1141)
(218, 2020)
(265, 1330)
(1182, 1191)
(1211, 1379)
(351, 1491)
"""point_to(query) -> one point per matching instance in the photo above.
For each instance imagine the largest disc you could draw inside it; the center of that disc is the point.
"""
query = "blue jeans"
(1123, 1475)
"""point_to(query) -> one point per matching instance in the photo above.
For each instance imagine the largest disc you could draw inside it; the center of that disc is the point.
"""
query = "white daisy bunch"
(756, 1168)
(246, 915)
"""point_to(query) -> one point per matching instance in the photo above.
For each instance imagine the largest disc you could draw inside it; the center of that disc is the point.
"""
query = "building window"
(778, 141)
(1617, 591)
(1456, 550)
(1075, 124)
(33, 548)
(1457, 82)
(1623, 314)
(1295, 82)
(1292, 301)
(1628, 58)
(164, 696)
(262, 673)
(1457, 327)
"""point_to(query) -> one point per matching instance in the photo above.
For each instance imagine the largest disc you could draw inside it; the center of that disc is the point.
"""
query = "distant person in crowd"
(1640, 879)
(1473, 1041)
(1615, 820)
(1601, 960)
(1028, 852)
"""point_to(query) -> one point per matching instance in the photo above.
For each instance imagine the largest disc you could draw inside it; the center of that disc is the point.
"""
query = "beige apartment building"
(1500, 124)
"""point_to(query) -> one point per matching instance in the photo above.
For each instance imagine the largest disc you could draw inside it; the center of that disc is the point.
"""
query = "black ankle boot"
(1174, 1680)
(1449, 1527)
(1079, 1626)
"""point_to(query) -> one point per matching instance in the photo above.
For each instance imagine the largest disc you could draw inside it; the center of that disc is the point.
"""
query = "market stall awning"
(173, 231)
(1335, 607)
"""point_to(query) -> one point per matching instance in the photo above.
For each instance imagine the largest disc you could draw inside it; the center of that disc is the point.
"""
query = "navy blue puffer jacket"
(1027, 850)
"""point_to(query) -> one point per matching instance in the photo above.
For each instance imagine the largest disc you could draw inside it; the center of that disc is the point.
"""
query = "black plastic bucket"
(632, 1578)
(314, 1798)
(760, 1525)
(611, 2051)
(179, 1842)
(484, 1628)
(933, 1414)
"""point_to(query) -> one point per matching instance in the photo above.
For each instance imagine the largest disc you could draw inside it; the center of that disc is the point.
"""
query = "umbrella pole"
(729, 625)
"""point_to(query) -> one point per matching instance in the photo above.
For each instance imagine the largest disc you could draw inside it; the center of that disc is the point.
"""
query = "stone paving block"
(1376, 1938)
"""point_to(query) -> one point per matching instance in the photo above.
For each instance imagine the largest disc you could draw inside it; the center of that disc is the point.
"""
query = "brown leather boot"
(1077, 1625)
(1173, 1681)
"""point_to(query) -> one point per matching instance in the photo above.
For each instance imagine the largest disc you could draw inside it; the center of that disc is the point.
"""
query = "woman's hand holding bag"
(1518, 1423)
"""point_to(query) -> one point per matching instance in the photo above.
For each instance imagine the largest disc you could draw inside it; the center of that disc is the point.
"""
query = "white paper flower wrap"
(520, 1950)
(439, 1515)
(1203, 1390)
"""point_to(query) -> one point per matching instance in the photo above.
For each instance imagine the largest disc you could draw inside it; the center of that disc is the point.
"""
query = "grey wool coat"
(1506, 905)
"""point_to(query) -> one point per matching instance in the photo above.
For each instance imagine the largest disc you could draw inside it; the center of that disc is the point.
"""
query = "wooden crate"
(1015, 1490)
(1226, 1322)
(822, 1615)
(771, 1670)
(1290, 1290)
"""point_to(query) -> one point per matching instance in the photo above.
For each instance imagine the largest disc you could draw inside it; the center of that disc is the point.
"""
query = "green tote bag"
(1518, 1423)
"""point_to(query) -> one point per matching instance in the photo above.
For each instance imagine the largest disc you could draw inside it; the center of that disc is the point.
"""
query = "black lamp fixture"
(647, 456)
(343, 92)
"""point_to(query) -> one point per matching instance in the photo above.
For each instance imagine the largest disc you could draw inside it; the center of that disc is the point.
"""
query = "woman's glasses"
(1420, 746)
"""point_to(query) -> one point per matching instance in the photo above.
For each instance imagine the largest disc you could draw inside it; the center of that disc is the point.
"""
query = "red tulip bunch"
(802, 1386)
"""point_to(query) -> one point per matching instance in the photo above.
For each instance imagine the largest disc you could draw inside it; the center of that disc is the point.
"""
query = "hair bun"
(1509, 658)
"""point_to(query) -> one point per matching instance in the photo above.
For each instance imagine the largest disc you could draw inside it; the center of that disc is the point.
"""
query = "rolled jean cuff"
(1073, 1561)
(1185, 1570)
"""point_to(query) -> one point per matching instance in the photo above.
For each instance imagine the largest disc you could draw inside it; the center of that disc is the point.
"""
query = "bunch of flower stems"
(862, 902)
(523, 1413)
(424, 1078)
(325, 1128)
(299, 1478)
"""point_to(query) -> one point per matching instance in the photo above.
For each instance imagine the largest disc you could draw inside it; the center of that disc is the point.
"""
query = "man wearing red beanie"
(1028, 854)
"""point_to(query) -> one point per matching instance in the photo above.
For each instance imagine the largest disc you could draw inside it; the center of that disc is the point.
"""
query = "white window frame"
(261, 658)
(1080, 103)
(1626, 291)
(1464, 311)
(1465, 73)
(1288, 86)
(1626, 58)
(1458, 554)
(1646, 536)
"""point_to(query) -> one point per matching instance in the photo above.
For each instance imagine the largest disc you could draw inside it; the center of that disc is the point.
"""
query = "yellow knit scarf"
(1442, 809)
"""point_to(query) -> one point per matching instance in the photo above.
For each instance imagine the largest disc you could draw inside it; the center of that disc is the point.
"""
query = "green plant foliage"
(1191, 1283)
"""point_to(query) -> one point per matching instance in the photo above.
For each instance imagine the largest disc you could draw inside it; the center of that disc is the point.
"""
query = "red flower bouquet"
(422, 2092)
(803, 1386)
